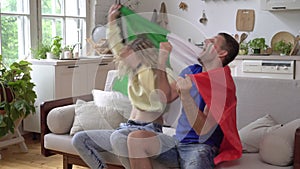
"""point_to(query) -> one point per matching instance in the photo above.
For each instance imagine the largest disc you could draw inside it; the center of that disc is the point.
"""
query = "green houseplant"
(17, 94)
(243, 49)
(56, 46)
(284, 48)
(257, 45)
(41, 51)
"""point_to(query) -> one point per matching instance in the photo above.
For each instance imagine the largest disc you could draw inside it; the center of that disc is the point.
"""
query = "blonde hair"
(146, 52)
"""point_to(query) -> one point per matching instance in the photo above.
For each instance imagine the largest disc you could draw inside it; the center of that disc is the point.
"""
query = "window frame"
(34, 16)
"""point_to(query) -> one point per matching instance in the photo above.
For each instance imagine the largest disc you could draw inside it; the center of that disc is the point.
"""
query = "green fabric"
(121, 85)
(136, 25)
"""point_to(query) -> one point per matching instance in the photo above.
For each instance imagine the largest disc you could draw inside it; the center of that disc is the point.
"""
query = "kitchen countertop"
(267, 57)
(83, 60)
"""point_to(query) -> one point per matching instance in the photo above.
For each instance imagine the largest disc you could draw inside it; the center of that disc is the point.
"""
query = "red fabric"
(218, 91)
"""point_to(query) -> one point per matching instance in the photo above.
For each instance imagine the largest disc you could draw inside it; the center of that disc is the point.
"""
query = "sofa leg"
(66, 164)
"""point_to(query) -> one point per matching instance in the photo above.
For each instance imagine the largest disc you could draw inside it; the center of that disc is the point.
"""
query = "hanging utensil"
(297, 39)
(236, 37)
(204, 19)
(243, 37)
(245, 19)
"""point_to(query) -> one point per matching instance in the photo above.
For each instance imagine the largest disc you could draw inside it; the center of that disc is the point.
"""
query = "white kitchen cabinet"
(278, 5)
(55, 79)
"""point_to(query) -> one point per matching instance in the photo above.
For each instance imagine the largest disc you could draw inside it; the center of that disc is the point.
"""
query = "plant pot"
(256, 51)
(7, 92)
(50, 55)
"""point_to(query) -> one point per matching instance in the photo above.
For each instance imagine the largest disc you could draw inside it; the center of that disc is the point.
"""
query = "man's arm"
(194, 115)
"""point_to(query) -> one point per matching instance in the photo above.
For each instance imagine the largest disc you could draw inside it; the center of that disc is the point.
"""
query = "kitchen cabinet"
(273, 66)
(55, 79)
(274, 5)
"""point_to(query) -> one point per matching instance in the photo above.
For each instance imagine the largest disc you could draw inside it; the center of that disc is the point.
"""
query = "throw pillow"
(60, 119)
(111, 99)
(252, 134)
(89, 116)
(277, 148)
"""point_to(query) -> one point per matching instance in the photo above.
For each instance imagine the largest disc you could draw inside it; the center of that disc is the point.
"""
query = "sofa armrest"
(297, 150)
(46, 107)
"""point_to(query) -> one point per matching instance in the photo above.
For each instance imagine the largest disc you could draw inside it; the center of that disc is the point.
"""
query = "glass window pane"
(51, 27)
(76, 8)
(75, 29)
(14, 37)
(54, 7)
(15, 6)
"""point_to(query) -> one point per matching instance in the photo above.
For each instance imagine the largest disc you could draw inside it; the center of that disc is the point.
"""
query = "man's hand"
(184, 85)
(113, 12)
(164, 51)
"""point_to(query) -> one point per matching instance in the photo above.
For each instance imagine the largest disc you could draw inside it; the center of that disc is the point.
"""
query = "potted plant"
(41, 51)
(283, 47)
(55, 48)
(68, 51)
(17, 94)
(257, 45)
(243, 49)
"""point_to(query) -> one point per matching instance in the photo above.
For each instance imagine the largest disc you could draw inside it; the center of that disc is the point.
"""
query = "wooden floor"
(12, 158)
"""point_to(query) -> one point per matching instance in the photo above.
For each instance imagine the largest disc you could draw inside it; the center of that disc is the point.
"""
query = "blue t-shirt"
(184, 132)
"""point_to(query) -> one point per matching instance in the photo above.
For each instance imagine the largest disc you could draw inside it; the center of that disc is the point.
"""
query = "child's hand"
(164, 51)
(113, 12)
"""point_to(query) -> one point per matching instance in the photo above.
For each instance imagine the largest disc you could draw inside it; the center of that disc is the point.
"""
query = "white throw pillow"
(277, 148)
(60, 119)
(112, 99)
(89, 116)
(252, 134)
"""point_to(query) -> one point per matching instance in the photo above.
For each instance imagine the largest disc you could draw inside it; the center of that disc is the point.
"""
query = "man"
(206, 129)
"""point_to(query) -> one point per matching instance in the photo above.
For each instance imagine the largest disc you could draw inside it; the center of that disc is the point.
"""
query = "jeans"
(90, 143)
(196, 156)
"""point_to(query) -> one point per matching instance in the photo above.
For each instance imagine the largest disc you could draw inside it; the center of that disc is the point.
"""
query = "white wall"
(221, 16)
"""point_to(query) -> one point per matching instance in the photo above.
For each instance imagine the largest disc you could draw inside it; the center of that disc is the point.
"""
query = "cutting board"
(245, 19)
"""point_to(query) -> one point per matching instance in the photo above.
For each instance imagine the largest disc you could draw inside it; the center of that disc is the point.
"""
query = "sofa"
(268, 113)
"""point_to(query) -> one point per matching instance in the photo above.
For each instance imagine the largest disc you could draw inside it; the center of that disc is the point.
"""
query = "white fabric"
(60, 119)
(252, 134)
(185, 54)
(112, 99)
(277, 148)
(89, 116)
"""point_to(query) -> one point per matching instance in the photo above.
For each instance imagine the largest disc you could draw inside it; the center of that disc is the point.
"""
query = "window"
(64, 18)
(26, 23)
(15, 34)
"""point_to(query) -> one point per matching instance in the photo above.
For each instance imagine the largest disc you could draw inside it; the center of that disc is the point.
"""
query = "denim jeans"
(90, 143)
(196, 156)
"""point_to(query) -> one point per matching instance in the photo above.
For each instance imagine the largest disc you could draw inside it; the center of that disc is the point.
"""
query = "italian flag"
(183, 53)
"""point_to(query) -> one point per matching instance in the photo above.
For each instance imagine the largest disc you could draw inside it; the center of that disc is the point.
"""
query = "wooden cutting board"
(245, 19)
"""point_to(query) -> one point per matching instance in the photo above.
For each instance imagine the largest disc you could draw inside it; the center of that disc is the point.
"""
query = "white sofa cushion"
(277, 148)
(60, 119)
(252, 134)
(249, 161)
